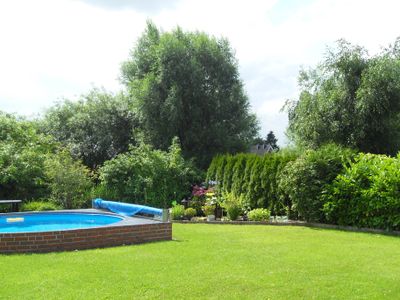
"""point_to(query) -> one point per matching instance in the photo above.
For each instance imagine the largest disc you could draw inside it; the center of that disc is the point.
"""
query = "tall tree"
(350, 99)
(187, 84)
(272, 140)
(97, 127)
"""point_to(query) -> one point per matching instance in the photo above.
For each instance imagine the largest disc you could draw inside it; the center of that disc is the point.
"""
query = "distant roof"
(261, 149)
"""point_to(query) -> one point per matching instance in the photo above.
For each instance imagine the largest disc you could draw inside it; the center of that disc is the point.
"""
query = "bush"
(177, 212)
(233, 212)
(367, 194)
(70, 182)
(259, 214)
(39, 206)
(306, 179)
(190, 213)
(208, 209)
(147, 176)
(233, 206)
(22, 155)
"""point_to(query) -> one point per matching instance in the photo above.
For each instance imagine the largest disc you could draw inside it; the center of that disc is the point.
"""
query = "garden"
(216, 262)
(178, 138)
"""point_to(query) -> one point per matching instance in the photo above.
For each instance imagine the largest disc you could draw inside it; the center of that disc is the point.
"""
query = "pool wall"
(80, 239)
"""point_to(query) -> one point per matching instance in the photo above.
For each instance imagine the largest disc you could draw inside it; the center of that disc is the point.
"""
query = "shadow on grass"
(369, 231)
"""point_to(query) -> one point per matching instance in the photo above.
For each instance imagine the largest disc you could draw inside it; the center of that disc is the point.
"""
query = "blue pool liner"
(125, 209)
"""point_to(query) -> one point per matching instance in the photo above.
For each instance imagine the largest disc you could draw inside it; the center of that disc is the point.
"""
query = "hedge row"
(330, 185)
(367, 194)
(253, 178)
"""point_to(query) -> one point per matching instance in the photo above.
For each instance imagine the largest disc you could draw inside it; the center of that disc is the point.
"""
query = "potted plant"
(209, 210)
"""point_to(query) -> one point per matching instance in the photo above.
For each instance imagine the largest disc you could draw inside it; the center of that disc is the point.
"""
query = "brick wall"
(84, 238)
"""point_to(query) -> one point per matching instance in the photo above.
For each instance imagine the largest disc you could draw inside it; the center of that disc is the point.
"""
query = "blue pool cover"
(125, 209)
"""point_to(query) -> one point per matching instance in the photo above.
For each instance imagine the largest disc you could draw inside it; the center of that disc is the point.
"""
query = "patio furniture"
(14, 204)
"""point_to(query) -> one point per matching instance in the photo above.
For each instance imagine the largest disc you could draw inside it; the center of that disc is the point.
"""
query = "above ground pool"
(40, 222)
(68, 230)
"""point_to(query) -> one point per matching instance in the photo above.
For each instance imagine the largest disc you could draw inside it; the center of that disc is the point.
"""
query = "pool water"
(39, 222)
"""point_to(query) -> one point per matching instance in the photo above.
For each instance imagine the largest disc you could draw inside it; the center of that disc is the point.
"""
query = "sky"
(56, 49)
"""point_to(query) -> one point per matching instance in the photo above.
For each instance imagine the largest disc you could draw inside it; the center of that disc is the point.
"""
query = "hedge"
(252, 177)
(367, 194)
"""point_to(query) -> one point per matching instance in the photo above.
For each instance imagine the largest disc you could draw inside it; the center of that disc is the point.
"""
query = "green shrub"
(306, 179)
(69, 181)
(22, 155)
(208, 209)
(259, 214)
(147, 176)
(233, 212)
(190, 213)
(367, 194)
(39, 206)
(177, 212)
(233, 205)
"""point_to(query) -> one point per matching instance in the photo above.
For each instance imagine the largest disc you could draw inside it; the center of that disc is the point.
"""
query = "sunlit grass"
(216, 261)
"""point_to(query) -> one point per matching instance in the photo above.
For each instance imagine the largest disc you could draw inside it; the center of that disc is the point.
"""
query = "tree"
(96, 128)
(187, 84)
(147, 176)
(272, 141)
(350, 99)
(22, 156)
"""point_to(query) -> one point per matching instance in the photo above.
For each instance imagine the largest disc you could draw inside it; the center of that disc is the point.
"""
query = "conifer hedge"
(253, 178)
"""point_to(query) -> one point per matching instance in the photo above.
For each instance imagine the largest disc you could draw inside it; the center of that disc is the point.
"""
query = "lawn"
(216, 261)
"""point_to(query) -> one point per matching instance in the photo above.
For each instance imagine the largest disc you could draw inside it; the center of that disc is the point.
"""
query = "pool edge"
(116, 234)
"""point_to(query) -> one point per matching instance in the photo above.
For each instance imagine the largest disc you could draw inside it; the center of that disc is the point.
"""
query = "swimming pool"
(39, 222)
(76, 230)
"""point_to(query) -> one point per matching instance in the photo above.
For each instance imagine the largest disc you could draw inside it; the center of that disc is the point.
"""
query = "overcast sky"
(53, 49)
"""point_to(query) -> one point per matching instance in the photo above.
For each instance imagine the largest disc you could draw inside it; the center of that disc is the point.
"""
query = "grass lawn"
(216, 261)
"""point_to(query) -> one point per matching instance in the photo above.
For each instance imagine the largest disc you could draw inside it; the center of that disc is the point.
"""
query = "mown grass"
(216, 262)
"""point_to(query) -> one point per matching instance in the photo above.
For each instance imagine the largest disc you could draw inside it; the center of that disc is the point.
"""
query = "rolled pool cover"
(126, 209)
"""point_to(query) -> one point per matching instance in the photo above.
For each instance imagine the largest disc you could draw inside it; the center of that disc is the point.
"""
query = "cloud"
(145, 6)
(53, 49)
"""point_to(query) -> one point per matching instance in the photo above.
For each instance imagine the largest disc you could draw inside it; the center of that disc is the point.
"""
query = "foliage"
(305, 180)
(69, 181)
(208, 209)
(254, 179)
(97, 127)
(32, 166)
(23, 153)
(233, 205)
(228, 172)
(259, 214)
(187, 84)
(177, 212)
(148, 176)
(272, 141)
(350, 99)
(199, 197)
(367, 194)
(190, 213)
(39, 206)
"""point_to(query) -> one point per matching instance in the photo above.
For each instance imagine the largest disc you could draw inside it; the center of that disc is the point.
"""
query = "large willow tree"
(187, 84)
(351, 99)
